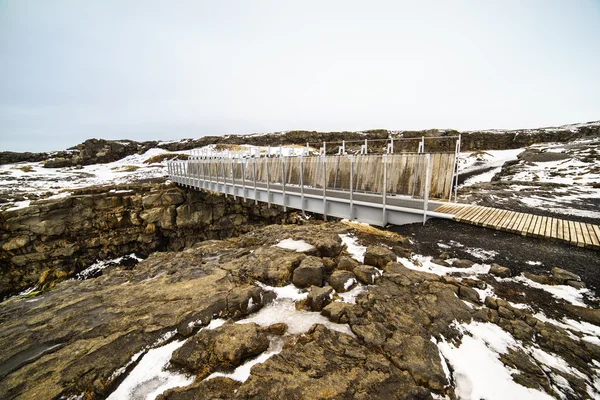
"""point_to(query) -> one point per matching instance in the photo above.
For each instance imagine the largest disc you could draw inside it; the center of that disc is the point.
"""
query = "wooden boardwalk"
(575, 233)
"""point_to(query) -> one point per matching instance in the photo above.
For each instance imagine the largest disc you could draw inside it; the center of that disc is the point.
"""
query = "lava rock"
(379, 256)
(221, 348)
(366, 274)
(319, 297)
(310, 272)
(342, 281)
(500, 271)
(463, 264)
(561, 276)
(346, 263)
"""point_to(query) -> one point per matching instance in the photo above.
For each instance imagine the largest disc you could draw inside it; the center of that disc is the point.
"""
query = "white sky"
(71, 70)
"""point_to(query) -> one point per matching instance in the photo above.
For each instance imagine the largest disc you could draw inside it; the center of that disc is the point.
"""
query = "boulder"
(542, 279)
(366, 274)
(319, 297)
(342, 281)
(469, 293)
(310, 272)
(561, 276)
(463, 264)
(402, 252)
(576, 284)
(379, 256)
(441, 262)
(278, 329)
(337, 312)
(221, 348)
(346, 263)
(500, 271)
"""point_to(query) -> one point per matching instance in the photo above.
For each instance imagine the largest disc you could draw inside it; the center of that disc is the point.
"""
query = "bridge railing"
(404, 174)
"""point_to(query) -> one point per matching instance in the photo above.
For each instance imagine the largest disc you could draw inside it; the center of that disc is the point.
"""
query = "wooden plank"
(596, 229)
(465, 211)
(496, 223)
(572, 233)
(554, 232)
(524, 224)
(541, 224)
(490, 216)
(587, 241)
(559, 231)
(595, 239)
(509, 220)
(505, 220)
(548, 231)
(479, 212)
(464, 216)
(515, 227)
(566, 231)
(533, 225)
(483, 212)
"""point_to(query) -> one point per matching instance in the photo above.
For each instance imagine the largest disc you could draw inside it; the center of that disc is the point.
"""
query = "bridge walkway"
(572, 232)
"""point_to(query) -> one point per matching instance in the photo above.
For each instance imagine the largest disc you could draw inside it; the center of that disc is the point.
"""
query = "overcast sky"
(72, 70)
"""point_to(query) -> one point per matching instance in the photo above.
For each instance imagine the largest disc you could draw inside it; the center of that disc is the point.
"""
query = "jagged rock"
(591, 315)
(346, 263)
(462, 264)
(329, 364)
(500, 271)
(544, 280)
(319, 297)
(337, 312)
(244, 300)
(441, 262)
(221, 348)
(402, 252)
(469, 293)
(278, 329)
(576, 284)
(379, 256)
(310, 272)
(212, 389)
(270, 265)
(561, 276)
(490, 302)
(342, 281)
(366, 274)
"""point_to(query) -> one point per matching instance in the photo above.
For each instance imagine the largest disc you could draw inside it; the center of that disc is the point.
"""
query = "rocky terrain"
(554, 179)
(330, 319)
(118, 284)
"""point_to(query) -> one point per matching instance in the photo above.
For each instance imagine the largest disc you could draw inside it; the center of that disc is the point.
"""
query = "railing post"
(209, 162)
(283, 179)
(232, 177)
(254, 176)
(427, 183)
(302, 183)
(203, 161)
(351, 157)
(242, 162)
(324, 185)
(224, 174)
(268, 184)
(384, 191)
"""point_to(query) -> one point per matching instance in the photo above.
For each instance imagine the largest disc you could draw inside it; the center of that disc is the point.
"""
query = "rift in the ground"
(119, 284)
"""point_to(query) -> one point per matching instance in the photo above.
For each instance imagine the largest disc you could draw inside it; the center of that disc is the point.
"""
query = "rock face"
(310, 272)
(220, 349)
(54, 239)
(379, 256)
(80, 338)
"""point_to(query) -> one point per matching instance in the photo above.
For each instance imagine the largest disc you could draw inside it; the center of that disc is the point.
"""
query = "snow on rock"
(299, 246)
(350, 296)
(424, 264)
(18, 205)
(477, 370)
(564, 292)
(356, 250)
(242, 373)
(150, 378)
(98, 266)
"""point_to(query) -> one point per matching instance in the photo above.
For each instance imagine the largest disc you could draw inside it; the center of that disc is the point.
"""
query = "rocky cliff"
(54, 239)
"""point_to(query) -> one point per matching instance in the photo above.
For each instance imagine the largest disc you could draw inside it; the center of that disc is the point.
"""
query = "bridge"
(404, 182)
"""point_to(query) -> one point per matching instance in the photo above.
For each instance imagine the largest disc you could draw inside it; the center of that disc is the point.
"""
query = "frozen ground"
(559, 179)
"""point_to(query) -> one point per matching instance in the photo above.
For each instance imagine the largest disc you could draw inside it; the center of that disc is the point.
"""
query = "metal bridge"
(388, 187)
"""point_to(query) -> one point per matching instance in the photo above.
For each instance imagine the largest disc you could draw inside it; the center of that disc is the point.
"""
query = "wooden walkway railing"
(573, 232)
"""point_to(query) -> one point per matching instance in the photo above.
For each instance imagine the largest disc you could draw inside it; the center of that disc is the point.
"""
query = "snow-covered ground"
(568, 183)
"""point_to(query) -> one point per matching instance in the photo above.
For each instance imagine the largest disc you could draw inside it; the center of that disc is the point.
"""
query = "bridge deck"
(573, 232)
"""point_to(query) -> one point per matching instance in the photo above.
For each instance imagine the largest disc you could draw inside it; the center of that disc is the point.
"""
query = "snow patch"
(356, 250)
(299, 246)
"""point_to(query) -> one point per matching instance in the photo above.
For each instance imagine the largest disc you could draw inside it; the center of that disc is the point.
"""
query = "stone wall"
(54, 239)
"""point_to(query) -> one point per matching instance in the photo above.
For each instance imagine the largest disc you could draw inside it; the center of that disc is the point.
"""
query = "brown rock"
(366, 274)
(319, 297)
(379, 256)
(342, 281)
(500, 271)
(462, 264)
(310, 272)
(346, 263)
